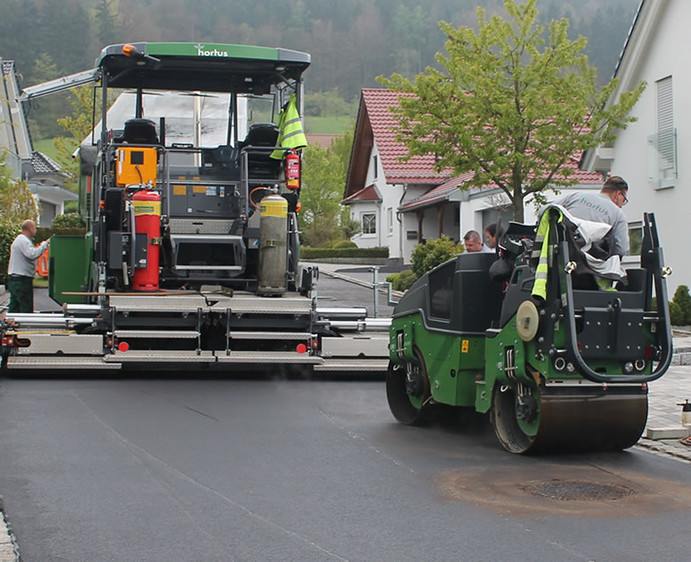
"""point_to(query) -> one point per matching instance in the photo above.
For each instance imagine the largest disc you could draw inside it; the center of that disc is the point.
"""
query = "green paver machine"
(190, 186)
(562, 368)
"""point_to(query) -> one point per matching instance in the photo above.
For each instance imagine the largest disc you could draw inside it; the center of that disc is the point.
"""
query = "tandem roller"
(561, 365)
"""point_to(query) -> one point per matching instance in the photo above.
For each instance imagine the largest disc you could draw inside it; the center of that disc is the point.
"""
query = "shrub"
(682, 299)
(402, 281)
(8, 232)
(676, 316)
(433, 253)
(345, 244)
(69, 220)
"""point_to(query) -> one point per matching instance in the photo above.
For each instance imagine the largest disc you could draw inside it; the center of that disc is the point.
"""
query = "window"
(389, 214)
(375, 165)
(662, 146)
(369, 223)
(441, 290)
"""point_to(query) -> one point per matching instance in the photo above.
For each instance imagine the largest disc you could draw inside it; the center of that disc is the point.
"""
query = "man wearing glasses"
(605, 207)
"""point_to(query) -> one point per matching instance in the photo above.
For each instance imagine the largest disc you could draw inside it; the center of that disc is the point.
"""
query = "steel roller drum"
(573, 420)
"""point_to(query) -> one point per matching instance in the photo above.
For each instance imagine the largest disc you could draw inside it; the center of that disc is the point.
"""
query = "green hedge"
(8, 232)
(45, 232)
(316, 253)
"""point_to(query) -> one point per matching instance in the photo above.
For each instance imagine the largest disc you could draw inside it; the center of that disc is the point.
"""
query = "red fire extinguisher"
(292, 170)
(147, 219)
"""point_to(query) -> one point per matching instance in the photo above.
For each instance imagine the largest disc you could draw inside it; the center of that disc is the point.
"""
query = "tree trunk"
(518, 206)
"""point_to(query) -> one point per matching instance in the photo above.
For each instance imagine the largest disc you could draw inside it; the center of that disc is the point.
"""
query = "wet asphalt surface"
(257, 467)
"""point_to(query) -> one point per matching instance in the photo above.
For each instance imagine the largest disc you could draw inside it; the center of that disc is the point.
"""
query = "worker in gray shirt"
(605, 207)
(22, 268)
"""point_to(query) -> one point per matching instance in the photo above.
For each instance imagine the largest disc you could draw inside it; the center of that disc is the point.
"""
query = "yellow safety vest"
(540, 285)
(291, 135)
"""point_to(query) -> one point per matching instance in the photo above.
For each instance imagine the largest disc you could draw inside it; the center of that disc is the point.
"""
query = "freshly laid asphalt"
(665, 394)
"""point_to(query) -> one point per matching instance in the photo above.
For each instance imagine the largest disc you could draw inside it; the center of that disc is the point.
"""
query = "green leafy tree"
(79, 126)
(324, 177)
(510, 104)
(16, 201)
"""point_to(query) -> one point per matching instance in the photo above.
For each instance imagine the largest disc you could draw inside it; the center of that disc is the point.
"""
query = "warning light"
(123, 346)
(301, 348)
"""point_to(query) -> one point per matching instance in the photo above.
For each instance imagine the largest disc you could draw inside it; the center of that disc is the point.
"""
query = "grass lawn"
(47, 147)
(328, 125)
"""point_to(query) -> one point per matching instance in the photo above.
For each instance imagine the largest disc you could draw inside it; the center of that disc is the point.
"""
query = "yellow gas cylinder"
(273, 246)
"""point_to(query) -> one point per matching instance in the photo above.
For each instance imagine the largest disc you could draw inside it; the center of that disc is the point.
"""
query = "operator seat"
(140, 131)
(259, 163)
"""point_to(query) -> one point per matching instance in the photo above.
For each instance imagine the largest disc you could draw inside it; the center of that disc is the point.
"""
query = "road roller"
(531, 337)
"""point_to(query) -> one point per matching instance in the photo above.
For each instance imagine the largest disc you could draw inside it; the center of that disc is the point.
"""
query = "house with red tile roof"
(399, 203)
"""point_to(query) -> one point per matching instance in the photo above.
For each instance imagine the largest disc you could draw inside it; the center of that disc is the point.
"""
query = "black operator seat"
(261, 134)
(140, 131)
(260, 163)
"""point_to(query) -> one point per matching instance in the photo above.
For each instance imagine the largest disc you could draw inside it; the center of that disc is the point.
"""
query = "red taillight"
(301, 348)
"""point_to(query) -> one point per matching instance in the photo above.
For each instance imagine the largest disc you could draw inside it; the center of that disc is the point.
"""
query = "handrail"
(654, 263)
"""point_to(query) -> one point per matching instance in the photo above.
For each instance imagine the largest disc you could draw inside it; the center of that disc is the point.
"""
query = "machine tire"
(407, 409)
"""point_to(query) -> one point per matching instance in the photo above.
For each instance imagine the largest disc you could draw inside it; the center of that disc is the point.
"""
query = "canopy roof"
(210, 67)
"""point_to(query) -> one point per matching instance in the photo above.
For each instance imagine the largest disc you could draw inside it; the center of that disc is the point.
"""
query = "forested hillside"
(351, 41)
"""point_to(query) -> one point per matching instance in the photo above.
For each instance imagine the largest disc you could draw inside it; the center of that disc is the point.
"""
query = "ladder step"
(160, 356)
(346, 366)
(156, 334)
(59, 363)
(243, 335)
(276, 358)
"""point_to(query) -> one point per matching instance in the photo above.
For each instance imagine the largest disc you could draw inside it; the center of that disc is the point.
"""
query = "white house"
(649, 154)
(398, 204)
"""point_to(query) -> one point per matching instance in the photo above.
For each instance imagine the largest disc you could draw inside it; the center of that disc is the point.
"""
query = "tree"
(509, 105)
(324, 178)
(79, 125)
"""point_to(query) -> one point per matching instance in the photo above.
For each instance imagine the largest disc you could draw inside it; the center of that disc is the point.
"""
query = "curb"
(665, 449)
(9, 551)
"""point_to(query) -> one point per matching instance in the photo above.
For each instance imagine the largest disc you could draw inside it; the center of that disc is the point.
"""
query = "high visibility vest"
(542, 241)
(290, 132)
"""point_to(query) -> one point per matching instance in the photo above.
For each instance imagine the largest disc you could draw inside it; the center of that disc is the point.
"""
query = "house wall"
(375, 175)
(661, 57)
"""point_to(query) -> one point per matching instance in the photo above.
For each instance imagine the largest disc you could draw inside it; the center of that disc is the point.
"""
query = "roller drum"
(571, 420)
